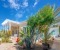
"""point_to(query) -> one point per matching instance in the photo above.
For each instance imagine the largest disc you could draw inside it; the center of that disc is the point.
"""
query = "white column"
(9, 26)
(6, 28)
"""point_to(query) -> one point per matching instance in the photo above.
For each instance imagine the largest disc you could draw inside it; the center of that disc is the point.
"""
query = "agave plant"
(26, 36)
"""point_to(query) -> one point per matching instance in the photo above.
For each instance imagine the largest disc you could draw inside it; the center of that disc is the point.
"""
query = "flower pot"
(45, 46)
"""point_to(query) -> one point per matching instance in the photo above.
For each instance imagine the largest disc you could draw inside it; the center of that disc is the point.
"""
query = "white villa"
(15, 27)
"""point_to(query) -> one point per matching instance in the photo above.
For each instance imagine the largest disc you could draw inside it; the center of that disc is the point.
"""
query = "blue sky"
(20, 10)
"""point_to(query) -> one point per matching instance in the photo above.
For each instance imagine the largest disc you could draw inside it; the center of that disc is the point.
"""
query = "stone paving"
(56, 45)
(10, 46)
(7, 46)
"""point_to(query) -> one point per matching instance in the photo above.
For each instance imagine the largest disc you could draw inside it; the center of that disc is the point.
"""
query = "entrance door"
(15, 33)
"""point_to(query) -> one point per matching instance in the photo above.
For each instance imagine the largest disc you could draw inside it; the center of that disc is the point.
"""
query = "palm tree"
(48, 16)
(44, 19)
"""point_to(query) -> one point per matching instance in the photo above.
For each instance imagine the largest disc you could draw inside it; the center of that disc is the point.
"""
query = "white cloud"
(14, 4)
(25, 3)
(19, 15)
(35, 3)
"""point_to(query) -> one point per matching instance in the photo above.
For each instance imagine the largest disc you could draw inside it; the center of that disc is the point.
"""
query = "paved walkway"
(56, 45)
(7, 46)
(10, 46)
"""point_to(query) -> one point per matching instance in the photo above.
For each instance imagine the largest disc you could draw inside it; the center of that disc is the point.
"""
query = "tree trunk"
(45, 35)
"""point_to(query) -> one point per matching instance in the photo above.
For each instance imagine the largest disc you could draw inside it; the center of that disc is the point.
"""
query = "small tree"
(46, 19)
(42, 20)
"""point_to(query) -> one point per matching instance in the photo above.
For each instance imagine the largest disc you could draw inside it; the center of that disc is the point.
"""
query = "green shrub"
(20, 43)
(5, 39)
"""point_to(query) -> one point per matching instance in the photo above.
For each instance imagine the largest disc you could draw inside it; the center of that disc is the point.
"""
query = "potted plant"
(43, 21)
(47, 16)
(46, 19)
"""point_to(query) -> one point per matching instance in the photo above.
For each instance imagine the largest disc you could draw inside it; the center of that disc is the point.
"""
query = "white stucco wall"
(55, 31)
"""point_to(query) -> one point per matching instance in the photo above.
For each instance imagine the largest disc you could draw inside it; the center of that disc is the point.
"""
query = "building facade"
(13, 26)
